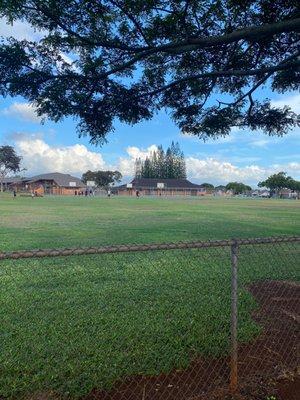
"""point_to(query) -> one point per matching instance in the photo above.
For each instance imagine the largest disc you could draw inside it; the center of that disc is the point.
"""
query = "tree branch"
(251, 72)
(165, 10)
(133, 20)
(251, 105)
(183, 19)
(266, 77)
(84, 39)
(251, 32)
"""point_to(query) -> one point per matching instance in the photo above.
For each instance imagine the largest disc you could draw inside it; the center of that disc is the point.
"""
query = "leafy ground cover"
(72, 324)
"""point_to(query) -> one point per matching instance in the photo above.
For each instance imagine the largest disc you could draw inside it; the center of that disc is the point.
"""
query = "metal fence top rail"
(143, 247)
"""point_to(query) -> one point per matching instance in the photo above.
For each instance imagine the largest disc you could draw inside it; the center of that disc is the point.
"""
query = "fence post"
(234, 317)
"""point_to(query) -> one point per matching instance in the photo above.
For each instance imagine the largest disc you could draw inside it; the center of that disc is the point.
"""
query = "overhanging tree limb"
(85, 40)
(253, 33)
(217, 74)
(193, 49)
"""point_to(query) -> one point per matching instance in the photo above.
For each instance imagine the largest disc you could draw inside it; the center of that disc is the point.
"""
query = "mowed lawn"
(27, 223)
(76, 323)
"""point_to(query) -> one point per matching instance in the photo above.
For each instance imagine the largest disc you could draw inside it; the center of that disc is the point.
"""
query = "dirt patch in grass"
(289, 389)
(268, 366)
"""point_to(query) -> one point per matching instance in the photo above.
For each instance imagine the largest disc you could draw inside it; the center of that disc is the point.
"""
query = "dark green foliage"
(165, 165)
(238, 187)
(294, 185)
(133, 58)
(9, 162)
(279, 181)
(208, 186)
(102, 178)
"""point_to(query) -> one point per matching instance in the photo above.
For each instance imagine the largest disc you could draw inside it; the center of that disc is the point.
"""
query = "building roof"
(147, 183)
(12, 180)
(60, 179)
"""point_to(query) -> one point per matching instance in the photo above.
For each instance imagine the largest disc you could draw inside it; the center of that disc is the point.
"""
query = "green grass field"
(72, 324)
(58, 222)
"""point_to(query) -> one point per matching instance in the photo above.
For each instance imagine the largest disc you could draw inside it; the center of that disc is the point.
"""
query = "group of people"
(137, 193)
(85, 192)
(32, 194)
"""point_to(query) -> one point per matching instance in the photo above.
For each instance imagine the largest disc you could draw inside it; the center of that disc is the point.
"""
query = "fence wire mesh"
(270, 280)
(149, 321)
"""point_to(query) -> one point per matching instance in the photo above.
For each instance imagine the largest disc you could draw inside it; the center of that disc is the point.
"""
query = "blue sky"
(243, 156)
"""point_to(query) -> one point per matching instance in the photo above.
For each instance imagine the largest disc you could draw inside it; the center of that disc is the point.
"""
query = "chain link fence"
(196, 320)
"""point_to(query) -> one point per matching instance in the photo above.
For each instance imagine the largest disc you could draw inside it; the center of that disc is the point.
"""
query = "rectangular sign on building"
(72, 184)
(129, 185)
(160, 185)
(91, 183)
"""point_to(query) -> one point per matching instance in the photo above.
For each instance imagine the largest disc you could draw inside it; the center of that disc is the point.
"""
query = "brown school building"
(159, 187)
(53, 183)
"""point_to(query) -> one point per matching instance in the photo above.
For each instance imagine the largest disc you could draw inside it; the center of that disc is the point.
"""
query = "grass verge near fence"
(75, 323)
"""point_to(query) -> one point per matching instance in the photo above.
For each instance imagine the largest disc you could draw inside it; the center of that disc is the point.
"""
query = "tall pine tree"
(182, 169)
(169, 164)
(164, 165)
(161, 168)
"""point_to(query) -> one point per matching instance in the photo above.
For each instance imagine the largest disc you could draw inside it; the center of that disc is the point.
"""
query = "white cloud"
(126, 164)
(203, 169)
(40, 157)
(135, 152)
(217, 171)
(19, 30)
(22, 111)
(291, 101)
(66, 58)
(261, 142)
(69, 59)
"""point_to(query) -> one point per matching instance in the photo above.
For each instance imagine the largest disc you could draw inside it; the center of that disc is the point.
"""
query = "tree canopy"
(102, 178)
(295, 186)
(201, 60)
(161, 164)
(9, 162)
(238, 187)
(208, 186)
(279, 181)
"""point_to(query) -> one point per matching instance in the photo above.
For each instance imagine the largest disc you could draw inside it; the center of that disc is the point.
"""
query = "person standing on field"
(15, 194)
(108, 193)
